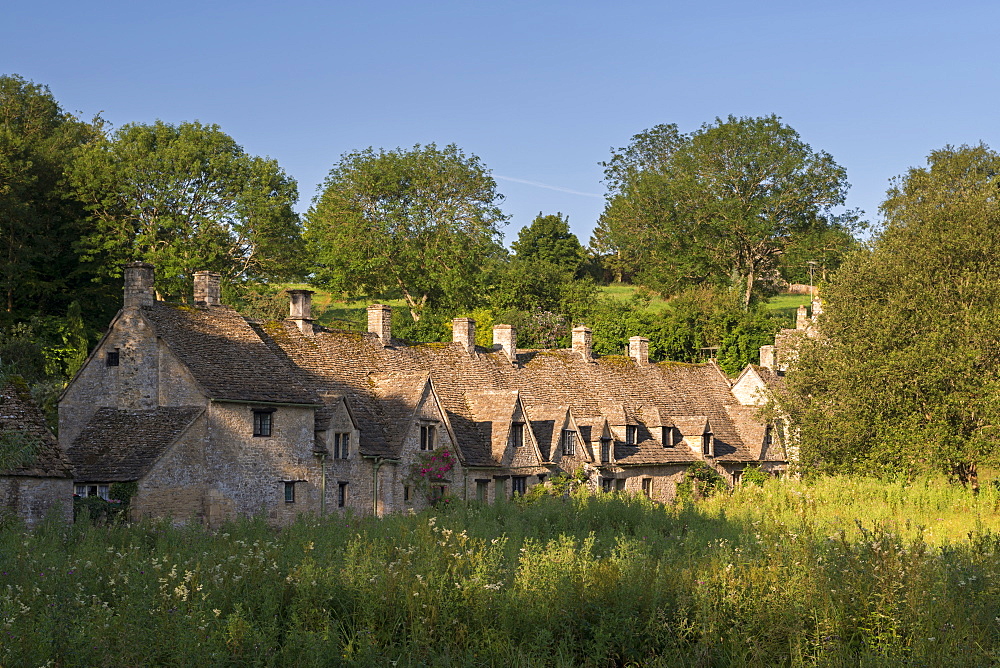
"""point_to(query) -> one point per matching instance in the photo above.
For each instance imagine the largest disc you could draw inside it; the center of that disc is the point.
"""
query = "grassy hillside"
(842, 571)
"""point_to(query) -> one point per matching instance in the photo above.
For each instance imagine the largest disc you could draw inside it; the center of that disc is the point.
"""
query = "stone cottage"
(215, 415)
(40, 481)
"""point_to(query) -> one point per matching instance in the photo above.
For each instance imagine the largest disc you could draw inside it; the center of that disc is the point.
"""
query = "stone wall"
(32, 499)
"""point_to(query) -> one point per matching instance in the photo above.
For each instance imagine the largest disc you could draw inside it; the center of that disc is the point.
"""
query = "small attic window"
(517, 434)
(568, 442)
(668, 437)
(708, 444)
(428, 432)
(631, 434)
(112, 358)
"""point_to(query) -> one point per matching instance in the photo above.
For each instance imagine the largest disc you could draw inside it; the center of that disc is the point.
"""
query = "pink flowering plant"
(429, 473)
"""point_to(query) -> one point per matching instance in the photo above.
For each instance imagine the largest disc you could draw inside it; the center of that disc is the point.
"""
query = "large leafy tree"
(422, 223)
(906, 376)
(187, 198)
(718, 206)
(548, 239)
(39, 219)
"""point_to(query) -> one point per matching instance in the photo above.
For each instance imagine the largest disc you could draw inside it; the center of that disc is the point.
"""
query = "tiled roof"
(227, 357)
(493, 411)
(651, 451)
(21, 419)
(121, 446)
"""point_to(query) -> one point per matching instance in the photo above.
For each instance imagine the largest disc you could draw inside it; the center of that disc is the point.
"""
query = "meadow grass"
(839, 571)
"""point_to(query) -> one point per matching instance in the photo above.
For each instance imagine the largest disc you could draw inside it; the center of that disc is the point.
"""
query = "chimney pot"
(139, 284)
(583, 340)
(380, 323)
(638, 349)
(505, 340)
(463, 332)
(207, 290)
(300, 310)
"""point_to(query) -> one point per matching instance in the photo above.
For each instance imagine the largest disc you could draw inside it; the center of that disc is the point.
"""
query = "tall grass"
(838, 572)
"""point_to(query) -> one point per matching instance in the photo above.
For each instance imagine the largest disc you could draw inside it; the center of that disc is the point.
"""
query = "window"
(737, 476)
(668, 437)
(619, 484)
(437, 493)
(706, 444)
(482, 491)
(631, 434)
(518, 485)
(568, 442)
(427, 436)
(647, 487)
(341, 494)
(607, 485)
(406, 493)
(541, 478)
(112, 358)
(93, 490)
(341, 445)
(262, 422)
(517, 434)
(767, 436)
(605, 450)
(289, 492)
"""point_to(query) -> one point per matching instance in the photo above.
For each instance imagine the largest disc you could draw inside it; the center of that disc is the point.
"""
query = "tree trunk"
(749, 291)
(967, 474)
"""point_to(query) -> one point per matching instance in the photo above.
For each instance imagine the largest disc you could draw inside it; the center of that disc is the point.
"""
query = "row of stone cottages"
(214, 415)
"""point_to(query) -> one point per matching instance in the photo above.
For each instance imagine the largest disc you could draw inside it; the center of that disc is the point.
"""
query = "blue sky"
(539, 90)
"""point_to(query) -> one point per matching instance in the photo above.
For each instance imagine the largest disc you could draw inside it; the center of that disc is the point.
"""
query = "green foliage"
(423, 223)
(700, 480)
(548, 241)
(718, 206)
(775, 575)
(754, 476)
(186, 198)
(429, 472)
(907, 375)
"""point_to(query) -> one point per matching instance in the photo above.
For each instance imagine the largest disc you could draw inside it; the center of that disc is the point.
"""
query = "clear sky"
(539, 90)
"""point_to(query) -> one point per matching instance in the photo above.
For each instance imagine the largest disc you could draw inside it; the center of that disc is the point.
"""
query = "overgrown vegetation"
(842, 571)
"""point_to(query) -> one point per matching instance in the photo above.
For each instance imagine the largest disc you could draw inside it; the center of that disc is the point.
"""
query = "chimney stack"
(638, 349)
(802, 317)
(380, 323)
(463, 331)
(139, 284)
(583, 340)
(505, 340)
(207, 291)
(300, 310)
(767, 357)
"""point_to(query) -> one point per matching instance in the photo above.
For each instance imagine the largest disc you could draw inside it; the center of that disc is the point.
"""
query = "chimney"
(463, 331)
(300, 310)
(638, 349)
(206, 288)
(380, 323)
(138, 284)
(802, 317)
(767, 359)
(583, 340)
(817, 307)
(505, 340)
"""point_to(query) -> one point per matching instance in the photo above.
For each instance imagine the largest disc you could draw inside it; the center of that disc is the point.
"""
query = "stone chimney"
(300, 310)
(802, 317)
(463, 331)
(207, 290)
(380, 323)
(139, 284)
(583, 342)
(505, 340)
(638, 349)
(767, 357)
(817, 307)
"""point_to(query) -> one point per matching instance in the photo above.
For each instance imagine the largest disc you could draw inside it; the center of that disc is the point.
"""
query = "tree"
(718, 206)
(906, 376)
(39, 220)
(186, 198)
(549, 240)
(423, 223)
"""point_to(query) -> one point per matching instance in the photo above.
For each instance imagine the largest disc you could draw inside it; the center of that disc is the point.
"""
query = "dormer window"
(568, 442)
(517, 434)
(605, 450)
(767, 436)
(667, 437)
(631, 434)
(112, 358)
(428, 433)
(707, 444)
(341, 445)
(262, 422)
